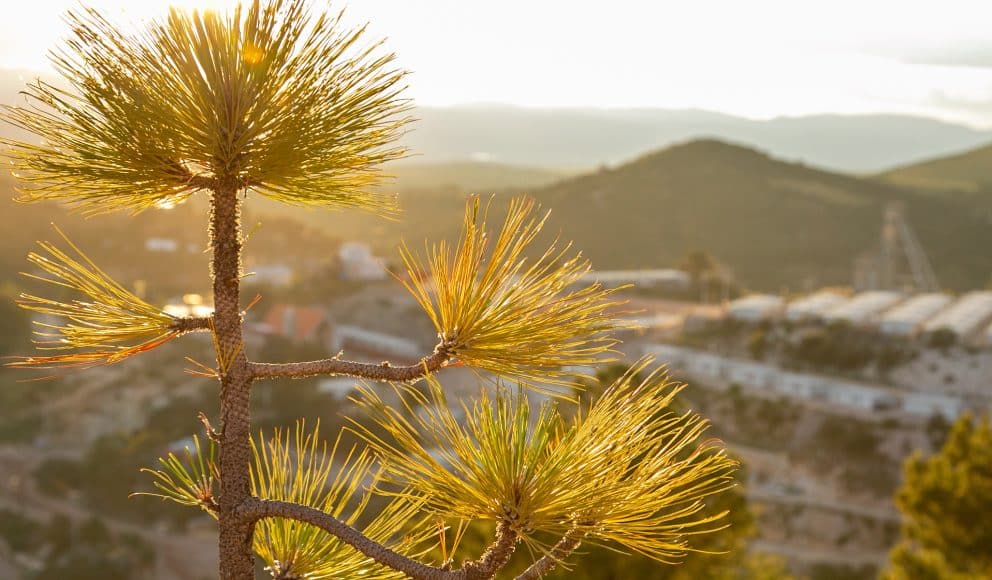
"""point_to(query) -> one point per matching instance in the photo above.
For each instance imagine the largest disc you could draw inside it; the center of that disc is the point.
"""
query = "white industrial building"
(863, 397)
(858, 396)
(863, 309)
(277, 275)
(165, 245)
(669, 278)
(813, 306)
(926, 404)
(374, 341)
(756, 307)
(908, 318)
(359, 263)
(970, 314)
(337, 387)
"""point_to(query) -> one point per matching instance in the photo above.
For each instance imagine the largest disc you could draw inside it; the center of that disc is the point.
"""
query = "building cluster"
(357, 262)
(968, 317)
(816, 388)
(312, 324)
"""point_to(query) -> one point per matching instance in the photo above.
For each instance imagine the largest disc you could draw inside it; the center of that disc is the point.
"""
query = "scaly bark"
(563, 549)
(496, 557)
(334, 366)
(236, 558)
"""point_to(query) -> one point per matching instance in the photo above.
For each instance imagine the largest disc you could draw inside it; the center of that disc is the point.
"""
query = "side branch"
(254, 509)
(563, 549)
(485, 568)
(335, 366)
(189, 324)
(496, 557)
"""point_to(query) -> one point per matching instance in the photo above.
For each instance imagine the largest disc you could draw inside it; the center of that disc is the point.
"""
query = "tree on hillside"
(698, 264)
(268, 100)
(946, 502)
(704, 270)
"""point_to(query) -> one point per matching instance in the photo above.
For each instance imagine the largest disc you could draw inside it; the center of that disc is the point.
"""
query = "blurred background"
(801, 194)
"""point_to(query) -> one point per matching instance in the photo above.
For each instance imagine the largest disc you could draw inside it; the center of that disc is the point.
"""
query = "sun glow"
(757, 59)
(204, 5)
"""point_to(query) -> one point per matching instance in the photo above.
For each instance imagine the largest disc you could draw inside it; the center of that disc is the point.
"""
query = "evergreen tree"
(270, 100)
(946, 502)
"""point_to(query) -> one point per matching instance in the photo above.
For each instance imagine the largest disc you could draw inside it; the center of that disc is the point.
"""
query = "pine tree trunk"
(236, 558)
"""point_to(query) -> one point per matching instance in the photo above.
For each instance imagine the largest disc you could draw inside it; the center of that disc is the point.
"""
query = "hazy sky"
(755, 58)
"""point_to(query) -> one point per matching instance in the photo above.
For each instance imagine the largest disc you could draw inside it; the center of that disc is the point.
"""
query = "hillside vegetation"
(970, 171)
(777, 224)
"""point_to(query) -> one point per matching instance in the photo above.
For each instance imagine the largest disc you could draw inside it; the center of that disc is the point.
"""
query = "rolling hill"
(592, 137)
(776, 223)
(575, 138)
(970, 171)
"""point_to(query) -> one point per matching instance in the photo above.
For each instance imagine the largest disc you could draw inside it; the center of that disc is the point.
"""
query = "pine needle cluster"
(188, 481)
(499, 309)
(109, 325)
(297, 467)
(298, 108)
(631, 473)
(270, 99)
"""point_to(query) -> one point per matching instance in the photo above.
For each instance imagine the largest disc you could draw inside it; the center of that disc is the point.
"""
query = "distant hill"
(592, 137)
(777, 224)
(587, 138)
(970, 171)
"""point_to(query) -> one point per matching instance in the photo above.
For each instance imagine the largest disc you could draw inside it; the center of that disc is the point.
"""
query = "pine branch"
(558, 553)
(254, 509)
(506, 307)
(492, 561)
(103, 324)
(190, 324)
(335, 366)
(496, 557)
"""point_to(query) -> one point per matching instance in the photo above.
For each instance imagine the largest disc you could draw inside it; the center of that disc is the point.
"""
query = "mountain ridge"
(967, 171)
(582, 138)
(778, 224)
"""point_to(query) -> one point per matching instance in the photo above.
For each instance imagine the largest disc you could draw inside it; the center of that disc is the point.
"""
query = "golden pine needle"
(297, 468)
(190, 482)
(298, 108)
(497, 310)
(110, 325)
(631, 474)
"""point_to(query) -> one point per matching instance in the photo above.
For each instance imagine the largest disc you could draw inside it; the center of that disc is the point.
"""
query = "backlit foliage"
(188, 481)
(298, 468)
(499, 310)
(630, 473)
(108, 325)
(270, 99)
(298, 108)
(946, 502)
